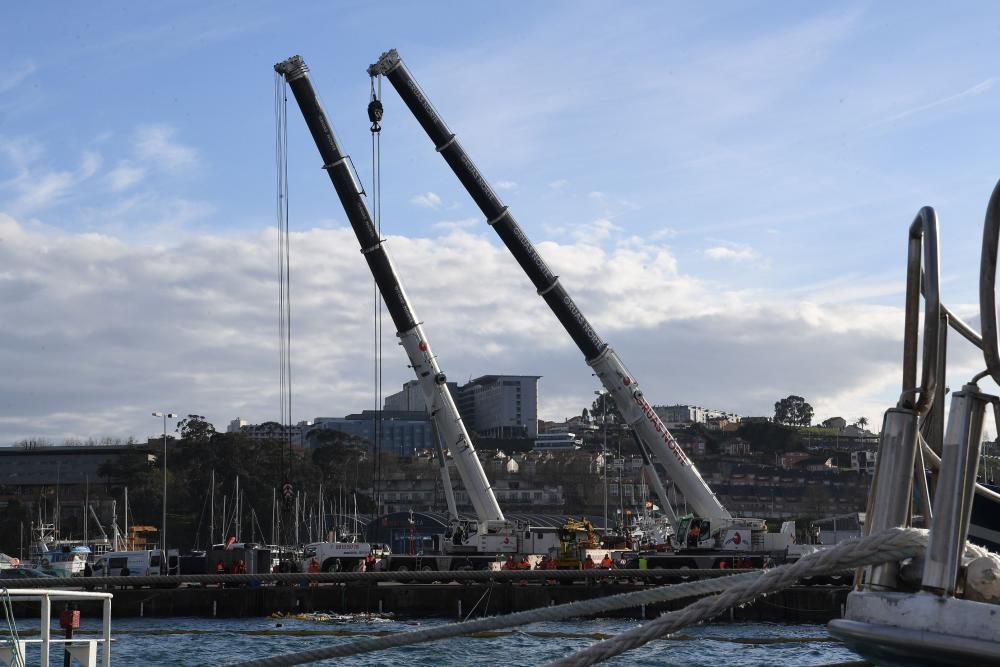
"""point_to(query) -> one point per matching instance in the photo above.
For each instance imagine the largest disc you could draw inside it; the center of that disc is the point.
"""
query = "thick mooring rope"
(892, 545)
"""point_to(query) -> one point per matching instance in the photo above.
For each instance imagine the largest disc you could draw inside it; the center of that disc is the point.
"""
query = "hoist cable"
(374, 115)
(284, 275)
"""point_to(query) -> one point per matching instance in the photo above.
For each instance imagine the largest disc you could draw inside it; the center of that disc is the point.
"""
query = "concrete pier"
(805, 604)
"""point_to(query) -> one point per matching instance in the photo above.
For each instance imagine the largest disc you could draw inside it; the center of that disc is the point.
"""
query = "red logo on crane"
(626, 381)
(422, 346)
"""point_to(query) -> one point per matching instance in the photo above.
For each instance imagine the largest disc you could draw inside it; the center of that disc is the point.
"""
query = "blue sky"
(728, 185)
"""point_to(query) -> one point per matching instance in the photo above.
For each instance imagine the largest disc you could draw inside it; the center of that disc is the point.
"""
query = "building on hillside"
(791, 460)
(400, 433)
(695, 446)
(680, 415)
(863, 461)
(492, 406)
(26, 469)
(737, 447)
(269, 431)
(501, 406)
(411, 397)
(547, 442)
(724, 424)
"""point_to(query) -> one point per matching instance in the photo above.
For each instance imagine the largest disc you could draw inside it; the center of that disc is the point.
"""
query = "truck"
(334, 556)
(467, 543)
(717, 530)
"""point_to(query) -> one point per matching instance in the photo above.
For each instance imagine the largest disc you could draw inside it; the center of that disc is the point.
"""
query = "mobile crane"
(466, 544)
(712, 526)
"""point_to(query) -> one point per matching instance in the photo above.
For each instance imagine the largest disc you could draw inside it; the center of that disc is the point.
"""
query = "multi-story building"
(492, 406)
(400, 433)
(268, 431)
(411, 398)
(501, 406)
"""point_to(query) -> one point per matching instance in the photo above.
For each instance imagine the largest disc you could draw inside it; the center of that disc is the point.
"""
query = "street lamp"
(163, 525)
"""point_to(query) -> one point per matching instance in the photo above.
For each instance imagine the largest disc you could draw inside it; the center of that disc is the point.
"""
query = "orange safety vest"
(606, 563)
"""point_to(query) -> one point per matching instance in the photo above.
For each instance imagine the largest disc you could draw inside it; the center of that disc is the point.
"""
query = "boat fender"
(982, 579)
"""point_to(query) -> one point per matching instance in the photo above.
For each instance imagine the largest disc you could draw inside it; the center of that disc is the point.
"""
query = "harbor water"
(201, 641)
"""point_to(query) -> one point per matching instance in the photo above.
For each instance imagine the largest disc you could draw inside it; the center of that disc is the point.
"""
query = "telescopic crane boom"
(432, 380)
(615, 377)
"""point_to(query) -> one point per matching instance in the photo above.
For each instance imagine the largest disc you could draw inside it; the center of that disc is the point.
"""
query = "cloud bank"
(100, 331)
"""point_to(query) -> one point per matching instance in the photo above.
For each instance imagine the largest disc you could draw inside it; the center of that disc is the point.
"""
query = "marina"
(452, 524)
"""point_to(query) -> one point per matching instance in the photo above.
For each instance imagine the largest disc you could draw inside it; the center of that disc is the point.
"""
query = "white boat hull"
(920, 629)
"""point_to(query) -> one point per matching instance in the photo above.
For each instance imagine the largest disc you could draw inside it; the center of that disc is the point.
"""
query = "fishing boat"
(943, 608)
(51, 555)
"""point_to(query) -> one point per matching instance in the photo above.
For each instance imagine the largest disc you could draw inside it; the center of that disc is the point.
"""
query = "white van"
(147, 563)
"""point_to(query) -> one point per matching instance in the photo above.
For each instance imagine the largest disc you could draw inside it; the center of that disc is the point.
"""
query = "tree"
(605, 405)
(793, 411)
(861, 422)
(194, 428)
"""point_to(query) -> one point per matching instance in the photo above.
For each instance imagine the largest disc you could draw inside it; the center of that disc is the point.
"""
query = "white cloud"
(124, 176)
(12, 75)
(190, 326)
(506, 185)
(558, 184)
(731, 252)
(978, 89)
(464, 223)
(662, 234)
(38, 187)
(427, 200)
(155, 143)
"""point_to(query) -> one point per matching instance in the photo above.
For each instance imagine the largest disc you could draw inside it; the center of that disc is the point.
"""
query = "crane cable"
(284, 278)
(375, 116)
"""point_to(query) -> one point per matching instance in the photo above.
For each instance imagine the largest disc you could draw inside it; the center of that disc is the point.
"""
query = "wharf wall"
(802, 604)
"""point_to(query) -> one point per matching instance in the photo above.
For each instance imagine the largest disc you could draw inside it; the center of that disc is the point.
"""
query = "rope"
(419, 577)
(892, 545)
(12, 641)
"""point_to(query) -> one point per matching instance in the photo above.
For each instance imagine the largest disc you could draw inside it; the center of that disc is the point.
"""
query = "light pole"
(163, 524)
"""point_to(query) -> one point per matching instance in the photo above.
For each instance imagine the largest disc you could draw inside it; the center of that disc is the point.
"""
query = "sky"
(725, 189)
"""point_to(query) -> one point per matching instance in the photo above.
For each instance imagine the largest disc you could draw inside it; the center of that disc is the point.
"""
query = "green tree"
(605, 405)
(194, 428)
(793, 411)
(861, 422)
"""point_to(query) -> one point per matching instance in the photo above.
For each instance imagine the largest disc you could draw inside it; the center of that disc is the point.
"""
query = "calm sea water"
(200, 641)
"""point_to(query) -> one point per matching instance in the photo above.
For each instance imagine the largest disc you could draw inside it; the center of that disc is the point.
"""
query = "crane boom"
(615, 377)
(432, 381)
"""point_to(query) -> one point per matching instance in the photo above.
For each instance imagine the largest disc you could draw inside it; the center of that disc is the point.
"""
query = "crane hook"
(375, 111)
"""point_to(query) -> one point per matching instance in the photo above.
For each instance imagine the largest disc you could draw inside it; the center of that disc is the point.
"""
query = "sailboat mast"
(125, 522)
(211, 514)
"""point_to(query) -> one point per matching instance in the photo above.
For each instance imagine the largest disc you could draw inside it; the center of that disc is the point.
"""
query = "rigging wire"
(284, 275)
